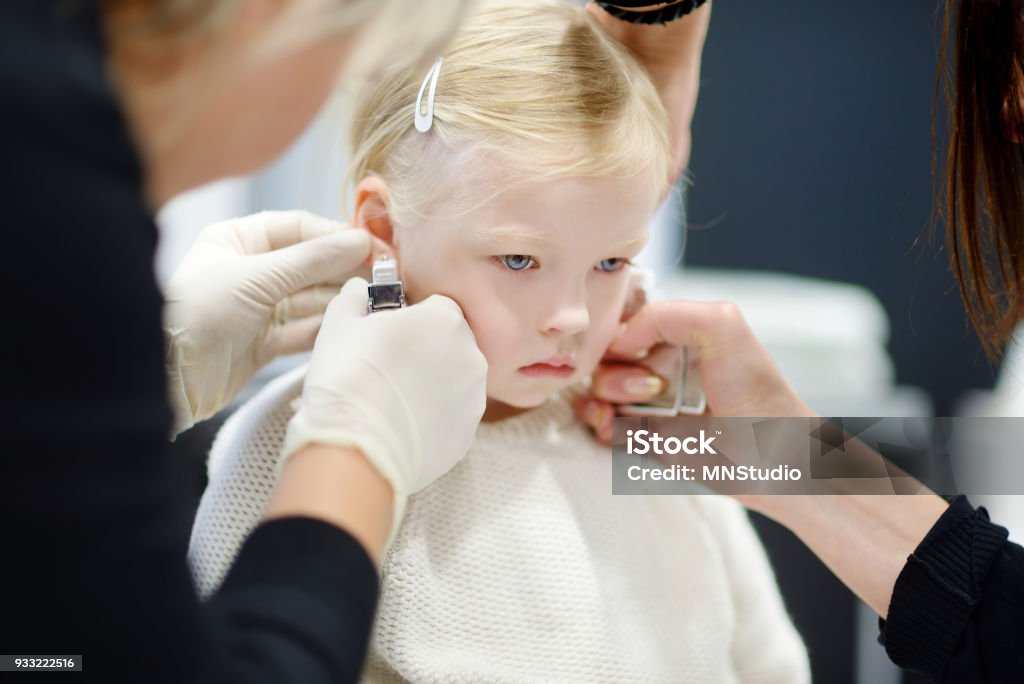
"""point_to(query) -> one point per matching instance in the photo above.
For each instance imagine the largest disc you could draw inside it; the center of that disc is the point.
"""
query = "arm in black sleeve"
(94, 564)
(300, 602)
(957, 610)
(93, 531)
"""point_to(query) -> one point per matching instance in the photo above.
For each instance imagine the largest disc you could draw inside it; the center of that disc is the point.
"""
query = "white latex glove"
(248, 290)
(406, 387)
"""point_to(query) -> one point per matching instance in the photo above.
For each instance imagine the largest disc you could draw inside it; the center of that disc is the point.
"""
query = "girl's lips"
(548, 370)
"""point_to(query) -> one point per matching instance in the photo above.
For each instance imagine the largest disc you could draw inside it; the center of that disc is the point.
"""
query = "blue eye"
(516, 262)
(611, 265)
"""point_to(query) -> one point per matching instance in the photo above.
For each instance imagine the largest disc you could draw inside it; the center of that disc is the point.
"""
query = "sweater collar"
(542, 423)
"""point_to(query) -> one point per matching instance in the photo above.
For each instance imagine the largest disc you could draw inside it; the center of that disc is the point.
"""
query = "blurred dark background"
(812, 155)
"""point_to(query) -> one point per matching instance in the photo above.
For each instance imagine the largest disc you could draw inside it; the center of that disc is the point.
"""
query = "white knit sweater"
(520, 566)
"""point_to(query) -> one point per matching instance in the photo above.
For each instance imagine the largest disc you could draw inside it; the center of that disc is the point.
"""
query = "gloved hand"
(248, 290)
(405, 387)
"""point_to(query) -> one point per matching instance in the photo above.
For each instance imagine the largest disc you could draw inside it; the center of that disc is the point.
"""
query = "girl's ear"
(372, 204)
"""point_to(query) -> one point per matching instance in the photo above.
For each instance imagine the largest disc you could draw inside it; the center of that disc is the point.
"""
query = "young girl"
(522, 196)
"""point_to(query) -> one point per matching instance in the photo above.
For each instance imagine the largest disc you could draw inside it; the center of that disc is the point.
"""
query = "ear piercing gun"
(386, 291)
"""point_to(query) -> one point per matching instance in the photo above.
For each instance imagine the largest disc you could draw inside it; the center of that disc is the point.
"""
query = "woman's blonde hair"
(534, 90)
(158, 32)
(384, 26)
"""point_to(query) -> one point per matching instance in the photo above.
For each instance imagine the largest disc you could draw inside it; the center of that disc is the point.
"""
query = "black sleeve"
(94, 564)
(297, 606)
(93, 531)
(957, 610)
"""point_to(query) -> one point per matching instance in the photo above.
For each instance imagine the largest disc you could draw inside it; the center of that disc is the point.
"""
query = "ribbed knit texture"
(520, 566)
(939, 587)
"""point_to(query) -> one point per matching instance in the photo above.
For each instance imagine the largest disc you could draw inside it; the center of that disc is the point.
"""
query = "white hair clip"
(425, 118)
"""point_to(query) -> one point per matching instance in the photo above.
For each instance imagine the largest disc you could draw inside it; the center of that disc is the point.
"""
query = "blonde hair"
(534, 88)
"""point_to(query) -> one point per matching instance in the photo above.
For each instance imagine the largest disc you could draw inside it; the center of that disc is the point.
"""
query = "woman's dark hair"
(982, 201)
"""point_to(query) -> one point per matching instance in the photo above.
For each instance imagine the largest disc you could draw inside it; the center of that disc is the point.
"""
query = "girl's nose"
(567, 318)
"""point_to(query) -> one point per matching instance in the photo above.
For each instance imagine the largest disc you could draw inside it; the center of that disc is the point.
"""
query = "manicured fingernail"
(644, 386)
(594, 413)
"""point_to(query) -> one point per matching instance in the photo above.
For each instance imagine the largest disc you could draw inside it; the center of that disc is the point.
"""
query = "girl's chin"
(521, 394)
(510, 406)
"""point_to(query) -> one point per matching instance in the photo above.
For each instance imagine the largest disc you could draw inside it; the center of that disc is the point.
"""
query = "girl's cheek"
(605, 322)
(611, 299)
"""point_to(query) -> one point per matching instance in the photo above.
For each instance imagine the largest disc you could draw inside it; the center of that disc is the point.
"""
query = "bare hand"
(740, 378)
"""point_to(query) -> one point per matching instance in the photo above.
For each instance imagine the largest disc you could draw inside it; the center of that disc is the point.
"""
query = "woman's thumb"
(350, 302)
(637, 335)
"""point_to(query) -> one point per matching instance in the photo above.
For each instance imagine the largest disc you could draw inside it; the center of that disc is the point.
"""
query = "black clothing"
(957, 610)
(93, 533)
